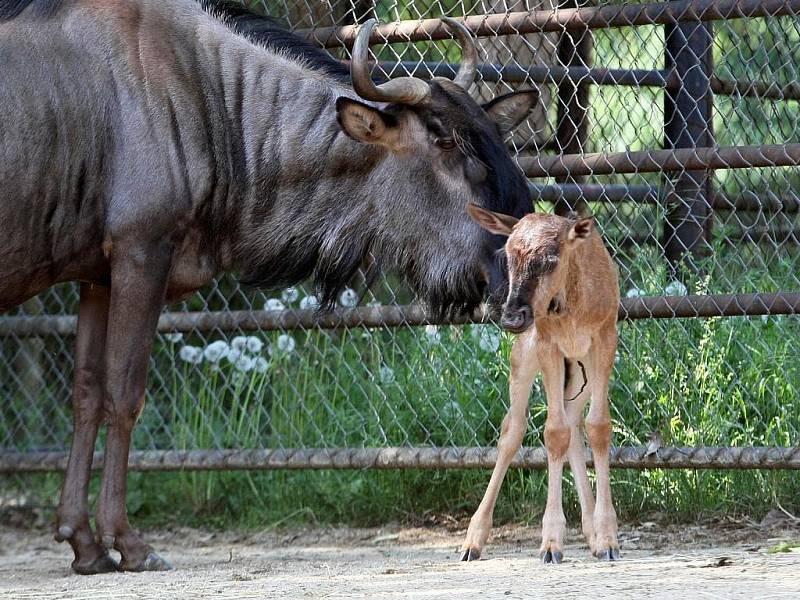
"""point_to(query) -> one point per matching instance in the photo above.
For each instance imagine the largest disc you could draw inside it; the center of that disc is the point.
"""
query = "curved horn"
(469, 60)
(404, 90)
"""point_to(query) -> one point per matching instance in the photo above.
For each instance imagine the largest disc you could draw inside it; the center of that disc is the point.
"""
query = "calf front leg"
(72, 523)
(598, 429)
(138, 282)
(524, 368)
(557, 441)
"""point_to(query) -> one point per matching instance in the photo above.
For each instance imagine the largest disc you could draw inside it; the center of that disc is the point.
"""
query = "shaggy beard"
(448, 289)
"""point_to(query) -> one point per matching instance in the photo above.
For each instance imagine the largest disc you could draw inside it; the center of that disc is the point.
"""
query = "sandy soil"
(714, 560)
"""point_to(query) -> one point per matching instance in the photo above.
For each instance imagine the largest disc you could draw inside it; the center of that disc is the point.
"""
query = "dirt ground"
(723, 560)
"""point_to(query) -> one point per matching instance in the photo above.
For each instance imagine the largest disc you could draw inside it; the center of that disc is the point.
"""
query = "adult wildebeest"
(147, 145)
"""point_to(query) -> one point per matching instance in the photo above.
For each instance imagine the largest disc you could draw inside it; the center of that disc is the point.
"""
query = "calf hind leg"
(72, 524)
(577, 393)
(137, 294)
(598, 428)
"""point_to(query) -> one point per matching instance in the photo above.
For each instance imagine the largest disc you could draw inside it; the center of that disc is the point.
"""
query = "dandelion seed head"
(290, 295)
(274, 304)
(433, 334)
(675, 288)
(286, 343)
(309, 302)
(386, 375)
(635, 292)
(216, 351)
(348, 298)
(253, 344)
(245, 363)
(191, 354)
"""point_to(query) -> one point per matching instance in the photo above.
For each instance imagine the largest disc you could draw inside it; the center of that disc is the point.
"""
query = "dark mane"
(12, 8)
(271, 32)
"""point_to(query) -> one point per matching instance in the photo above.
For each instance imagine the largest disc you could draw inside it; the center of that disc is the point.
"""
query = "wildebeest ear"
(492, 222)
(510, 110)
(581, 230)
(365, 123)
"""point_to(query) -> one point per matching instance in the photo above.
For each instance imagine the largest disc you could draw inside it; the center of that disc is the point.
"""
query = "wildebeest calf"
(562, 303)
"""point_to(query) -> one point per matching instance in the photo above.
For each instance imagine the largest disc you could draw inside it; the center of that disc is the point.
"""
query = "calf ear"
(581, 230)
(365, 123)
(510, 110)
(492, 222)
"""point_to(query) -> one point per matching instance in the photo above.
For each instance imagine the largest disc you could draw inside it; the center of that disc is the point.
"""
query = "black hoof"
(470, 554)
(550, 557)
(64, 533)
(104, 564)
(609, 554)
(152, 562)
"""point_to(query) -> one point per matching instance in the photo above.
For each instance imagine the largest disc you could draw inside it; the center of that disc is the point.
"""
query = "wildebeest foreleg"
(87, 401)
(557, 441)
(138, 282)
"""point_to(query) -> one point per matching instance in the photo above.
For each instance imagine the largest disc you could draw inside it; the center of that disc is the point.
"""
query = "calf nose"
(516, 319)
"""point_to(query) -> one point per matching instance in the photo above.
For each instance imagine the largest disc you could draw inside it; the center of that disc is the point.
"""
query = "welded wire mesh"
(675, 227)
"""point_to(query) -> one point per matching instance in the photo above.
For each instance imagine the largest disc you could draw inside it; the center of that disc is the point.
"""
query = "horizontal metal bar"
(750, 201)
(555, 74)
(414, 315)
(649, 194)
(717, 305)
(548, 74)
(651, 161)
(704, 457)
(244, 320)
(593, 192)
(771, 235)
(755, 89)
(600, 17)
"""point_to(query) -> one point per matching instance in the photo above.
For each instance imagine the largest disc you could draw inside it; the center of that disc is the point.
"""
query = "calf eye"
(445, 143)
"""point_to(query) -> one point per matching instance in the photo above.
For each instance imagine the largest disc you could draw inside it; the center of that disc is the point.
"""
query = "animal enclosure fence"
(676, 124)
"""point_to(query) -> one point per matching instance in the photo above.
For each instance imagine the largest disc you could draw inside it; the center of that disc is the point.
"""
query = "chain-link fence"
(676, 124)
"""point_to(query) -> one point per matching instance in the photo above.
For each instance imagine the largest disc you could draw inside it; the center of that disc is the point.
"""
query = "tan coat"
(562, 303)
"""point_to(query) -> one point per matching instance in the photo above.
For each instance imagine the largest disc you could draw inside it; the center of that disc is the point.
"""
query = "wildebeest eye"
(445, 143)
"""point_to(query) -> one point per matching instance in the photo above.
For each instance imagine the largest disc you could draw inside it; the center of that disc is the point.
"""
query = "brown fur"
(563, 302)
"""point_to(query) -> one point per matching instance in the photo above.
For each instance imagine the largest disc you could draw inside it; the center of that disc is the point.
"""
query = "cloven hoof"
(550, 557)
(470, 554)
(608, 554)
(102, 564)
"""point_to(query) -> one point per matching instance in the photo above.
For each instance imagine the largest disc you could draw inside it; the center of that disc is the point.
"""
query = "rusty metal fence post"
(574, 50)
(688, 123)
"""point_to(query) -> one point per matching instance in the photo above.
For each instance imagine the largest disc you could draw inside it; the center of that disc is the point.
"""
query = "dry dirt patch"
(720, 560)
